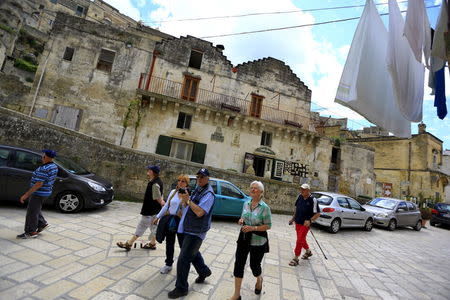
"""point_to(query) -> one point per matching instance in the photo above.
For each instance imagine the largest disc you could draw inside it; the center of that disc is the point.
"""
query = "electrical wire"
(295, 26)
(266, 13)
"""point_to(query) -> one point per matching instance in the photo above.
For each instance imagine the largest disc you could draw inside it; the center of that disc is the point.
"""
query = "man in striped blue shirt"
(41, 186)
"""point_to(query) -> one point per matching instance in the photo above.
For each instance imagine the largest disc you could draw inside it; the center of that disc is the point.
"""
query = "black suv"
(440, 214)
(75, 187)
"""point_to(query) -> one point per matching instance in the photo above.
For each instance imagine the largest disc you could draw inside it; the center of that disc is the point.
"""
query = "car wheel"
(432, 223)
(335, 226)
(69, 202)
(369, 225)
(392, 225)
(418, 225)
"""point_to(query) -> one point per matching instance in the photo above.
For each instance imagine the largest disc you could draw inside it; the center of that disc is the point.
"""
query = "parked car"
(340, 211)
(229, 198)
(75, 187)
(391, 213)
(440, 214)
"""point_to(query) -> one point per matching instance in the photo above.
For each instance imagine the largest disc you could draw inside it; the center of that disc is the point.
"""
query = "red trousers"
(302, 231)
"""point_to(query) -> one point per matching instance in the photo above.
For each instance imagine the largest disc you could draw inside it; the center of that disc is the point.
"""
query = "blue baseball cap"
(203, 171)
(49, 153)
(155, 169)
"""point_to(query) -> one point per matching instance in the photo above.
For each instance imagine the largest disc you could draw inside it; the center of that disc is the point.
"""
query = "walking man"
(195, 222)
(306, 211)
(153, 200)
(41, 186)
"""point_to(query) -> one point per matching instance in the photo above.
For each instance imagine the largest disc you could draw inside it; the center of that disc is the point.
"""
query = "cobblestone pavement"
(76, 258)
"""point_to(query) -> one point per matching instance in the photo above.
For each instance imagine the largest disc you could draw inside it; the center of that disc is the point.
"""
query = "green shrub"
(6, 28)
(426, 213)
(24, 65)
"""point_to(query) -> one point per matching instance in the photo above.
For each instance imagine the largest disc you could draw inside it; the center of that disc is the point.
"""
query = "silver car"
(338, 211)
(390, 213)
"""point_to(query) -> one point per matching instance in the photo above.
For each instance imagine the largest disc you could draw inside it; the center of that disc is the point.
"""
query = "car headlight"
(96, 187)
(381, 215)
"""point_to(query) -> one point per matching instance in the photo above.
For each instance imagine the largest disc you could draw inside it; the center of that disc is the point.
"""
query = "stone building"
(408, 167)
(446, 170)
(181, 97)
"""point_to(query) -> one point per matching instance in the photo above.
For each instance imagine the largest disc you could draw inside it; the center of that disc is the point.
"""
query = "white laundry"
(406, 72)
(365, 85)
(417, 30)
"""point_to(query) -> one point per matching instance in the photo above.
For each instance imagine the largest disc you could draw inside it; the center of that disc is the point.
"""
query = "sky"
(316, 54)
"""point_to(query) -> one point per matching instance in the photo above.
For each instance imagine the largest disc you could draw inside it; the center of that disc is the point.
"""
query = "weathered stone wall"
(268, 77)
(125, 168)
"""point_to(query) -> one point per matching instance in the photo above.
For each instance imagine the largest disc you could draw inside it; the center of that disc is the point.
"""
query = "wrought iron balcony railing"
(174, 89)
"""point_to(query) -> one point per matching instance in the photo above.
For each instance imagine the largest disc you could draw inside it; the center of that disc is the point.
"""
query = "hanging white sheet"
(365, 85)
(438, 49)
(406, 72)
(417, 30)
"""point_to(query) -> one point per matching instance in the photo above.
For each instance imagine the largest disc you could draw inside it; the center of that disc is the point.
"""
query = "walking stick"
(318, 244)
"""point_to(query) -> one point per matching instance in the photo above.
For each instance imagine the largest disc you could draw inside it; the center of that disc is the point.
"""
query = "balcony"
(222, 102)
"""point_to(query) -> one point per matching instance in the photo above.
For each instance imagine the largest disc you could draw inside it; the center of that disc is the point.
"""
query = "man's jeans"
(34, 218)
(190, 254)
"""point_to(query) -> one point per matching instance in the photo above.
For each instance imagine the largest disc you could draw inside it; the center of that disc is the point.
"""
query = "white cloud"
(316, 62)
(126, 7)
(140, 3)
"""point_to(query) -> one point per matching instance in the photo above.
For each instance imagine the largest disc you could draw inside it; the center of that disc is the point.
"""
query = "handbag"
(161, 230)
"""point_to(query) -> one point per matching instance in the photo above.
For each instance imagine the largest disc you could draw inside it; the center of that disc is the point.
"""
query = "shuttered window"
(68, 54)
(256, 106)
(190, 88)
(181, 149)
(106, 60)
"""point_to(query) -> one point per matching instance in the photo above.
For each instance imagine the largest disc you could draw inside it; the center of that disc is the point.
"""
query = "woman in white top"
(172, 207)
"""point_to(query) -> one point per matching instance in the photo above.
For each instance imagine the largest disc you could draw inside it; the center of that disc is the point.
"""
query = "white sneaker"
(165, 269)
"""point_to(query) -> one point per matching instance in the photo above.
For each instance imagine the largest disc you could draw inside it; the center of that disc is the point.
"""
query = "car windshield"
(384, 203)
(71, 166)
(322, 199)
(443, 207)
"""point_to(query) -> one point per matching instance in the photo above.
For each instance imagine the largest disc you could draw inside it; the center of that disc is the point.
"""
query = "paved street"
(77, 259)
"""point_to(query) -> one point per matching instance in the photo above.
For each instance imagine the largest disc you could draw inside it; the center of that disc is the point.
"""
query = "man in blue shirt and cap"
(194, 224)
(41, 186)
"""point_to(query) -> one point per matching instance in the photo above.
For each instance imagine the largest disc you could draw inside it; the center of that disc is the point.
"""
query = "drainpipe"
(40, 80)
(409, 168)
(150, 73)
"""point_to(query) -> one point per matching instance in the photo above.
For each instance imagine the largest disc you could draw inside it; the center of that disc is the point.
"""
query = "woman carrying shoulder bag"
(172, 209)
(256, 219)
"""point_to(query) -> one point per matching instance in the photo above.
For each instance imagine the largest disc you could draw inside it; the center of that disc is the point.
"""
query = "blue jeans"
(190, 254)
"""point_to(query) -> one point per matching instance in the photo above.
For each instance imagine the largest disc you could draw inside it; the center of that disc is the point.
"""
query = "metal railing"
(173, 89)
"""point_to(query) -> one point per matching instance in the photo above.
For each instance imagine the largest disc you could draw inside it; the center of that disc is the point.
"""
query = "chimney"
(422, 128)
(220, 48)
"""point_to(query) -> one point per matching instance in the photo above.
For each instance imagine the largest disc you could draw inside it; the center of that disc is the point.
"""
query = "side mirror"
(363, 209)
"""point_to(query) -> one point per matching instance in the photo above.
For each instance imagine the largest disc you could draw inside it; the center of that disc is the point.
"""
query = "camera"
(182, 191)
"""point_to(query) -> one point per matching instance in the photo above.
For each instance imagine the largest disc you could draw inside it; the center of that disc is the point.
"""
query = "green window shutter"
(198, 153)
(164, 144)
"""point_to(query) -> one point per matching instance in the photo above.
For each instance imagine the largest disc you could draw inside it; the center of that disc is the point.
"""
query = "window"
(410, 206)
(229, 191)
(402, 205)
(322, 199)
(343, 202)
(4, 154)
(27, 161)
(54, 1)
(105, 60)
(195, 61)
(186, 150)
(266, 139)
(181, 149)
(354, 204)
(80, 10)
(184, 121)
(68, 54)
(256, 106)
(334, 155)
(190, 88)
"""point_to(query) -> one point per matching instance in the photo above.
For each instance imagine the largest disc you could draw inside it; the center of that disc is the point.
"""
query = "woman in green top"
(256, 219)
